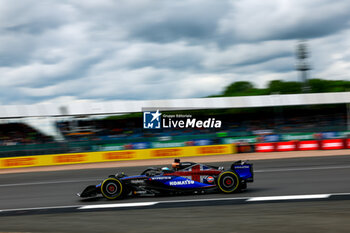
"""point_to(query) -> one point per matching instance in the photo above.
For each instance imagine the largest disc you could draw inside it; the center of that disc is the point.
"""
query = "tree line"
(244, 88)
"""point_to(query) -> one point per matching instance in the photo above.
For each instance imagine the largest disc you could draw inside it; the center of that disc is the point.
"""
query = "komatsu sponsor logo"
(182, 182)
(191, 123)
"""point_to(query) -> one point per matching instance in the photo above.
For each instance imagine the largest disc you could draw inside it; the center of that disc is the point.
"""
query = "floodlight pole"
(302, 64)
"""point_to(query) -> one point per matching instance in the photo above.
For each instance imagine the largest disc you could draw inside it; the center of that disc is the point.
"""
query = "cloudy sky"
(54, 51)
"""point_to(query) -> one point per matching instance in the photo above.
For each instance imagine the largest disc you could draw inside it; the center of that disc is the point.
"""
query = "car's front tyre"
(112, 188)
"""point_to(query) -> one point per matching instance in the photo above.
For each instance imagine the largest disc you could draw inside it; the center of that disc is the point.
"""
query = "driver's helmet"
(176, 164)
(165, 169)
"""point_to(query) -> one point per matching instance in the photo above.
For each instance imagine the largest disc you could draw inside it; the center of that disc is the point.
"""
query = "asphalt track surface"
(280, 177)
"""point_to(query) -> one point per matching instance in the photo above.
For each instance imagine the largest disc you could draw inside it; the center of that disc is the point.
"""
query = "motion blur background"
(246, 127)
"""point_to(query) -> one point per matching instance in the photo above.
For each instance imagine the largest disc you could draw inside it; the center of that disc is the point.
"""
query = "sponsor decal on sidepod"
(181, 182)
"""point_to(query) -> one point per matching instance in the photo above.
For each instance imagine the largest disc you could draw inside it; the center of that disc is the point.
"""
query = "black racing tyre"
(112, 188)
(228, 182)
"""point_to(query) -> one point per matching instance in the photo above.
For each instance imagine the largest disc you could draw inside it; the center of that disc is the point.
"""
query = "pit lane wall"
(107, 156)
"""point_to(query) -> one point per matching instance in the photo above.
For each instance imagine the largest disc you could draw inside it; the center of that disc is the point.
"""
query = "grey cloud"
(279, 20)
(182, 26)
(311, 29)
(147, 49)
(32, 17)
(278, 65)
(177, 62)
(193, 21)
(30, 28)
(263, 59)
(78, 72)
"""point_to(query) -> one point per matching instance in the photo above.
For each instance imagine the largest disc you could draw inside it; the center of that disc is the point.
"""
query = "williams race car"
(183, 178)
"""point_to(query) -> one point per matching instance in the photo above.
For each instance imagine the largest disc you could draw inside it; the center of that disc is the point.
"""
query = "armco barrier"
(94, 157)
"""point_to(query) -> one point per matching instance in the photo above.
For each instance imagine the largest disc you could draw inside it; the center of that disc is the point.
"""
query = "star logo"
(156, 115)
(152, 120)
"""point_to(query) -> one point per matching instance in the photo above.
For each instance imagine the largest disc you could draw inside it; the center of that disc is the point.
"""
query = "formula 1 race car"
(183, 178)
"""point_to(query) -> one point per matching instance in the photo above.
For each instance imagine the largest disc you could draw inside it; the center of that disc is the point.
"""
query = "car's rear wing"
(244, 170)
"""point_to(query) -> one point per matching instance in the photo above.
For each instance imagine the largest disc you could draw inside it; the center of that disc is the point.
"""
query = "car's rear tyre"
(112, 188)
(228, 182)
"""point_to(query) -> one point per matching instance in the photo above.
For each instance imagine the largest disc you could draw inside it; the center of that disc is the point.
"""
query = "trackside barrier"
(286, 146)
(309, 145)
(328, 144)
(106, 156)
(347, 144)
(333, 144)
(265, 147)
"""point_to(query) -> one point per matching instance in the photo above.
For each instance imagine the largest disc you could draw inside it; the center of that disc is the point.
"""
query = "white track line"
(340, 194)
(290, 197)
(208, 199)
(102, 206)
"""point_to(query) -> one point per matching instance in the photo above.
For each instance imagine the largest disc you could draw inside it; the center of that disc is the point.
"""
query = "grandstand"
(250, 118)
(21, 134)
